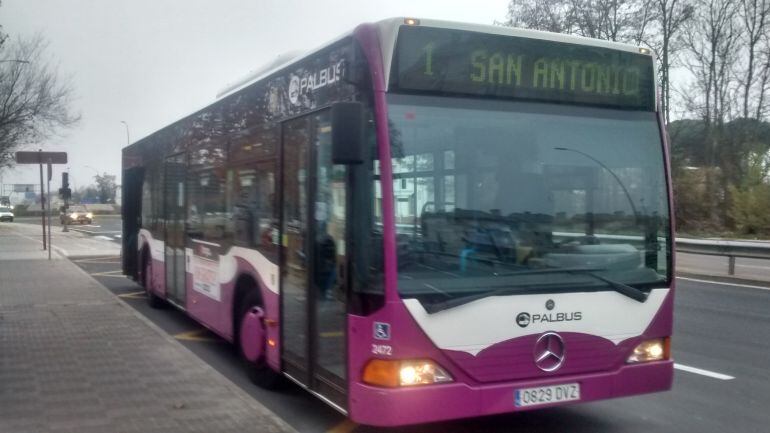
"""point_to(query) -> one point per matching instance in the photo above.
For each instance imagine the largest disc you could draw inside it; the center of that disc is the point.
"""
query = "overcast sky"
(151, 62)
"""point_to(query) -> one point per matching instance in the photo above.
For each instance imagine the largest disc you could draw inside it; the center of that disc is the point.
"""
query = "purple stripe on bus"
(204, 309)
(159, 278)
(467, 396)
(366, 34)
(252, 334)
(514, 359)
(271, 307)
(670, 192)
(460, 400)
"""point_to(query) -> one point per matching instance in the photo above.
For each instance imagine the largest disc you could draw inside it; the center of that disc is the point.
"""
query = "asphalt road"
(721, 345)
(106, 227)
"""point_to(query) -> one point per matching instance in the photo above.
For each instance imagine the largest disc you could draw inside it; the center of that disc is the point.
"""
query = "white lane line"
(702, 372)
(751, 266)
(107, 238)
(723, 283)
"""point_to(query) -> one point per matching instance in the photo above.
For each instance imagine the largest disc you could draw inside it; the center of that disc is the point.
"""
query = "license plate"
(547, 394)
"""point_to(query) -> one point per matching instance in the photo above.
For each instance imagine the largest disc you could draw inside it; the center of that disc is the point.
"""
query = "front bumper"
(394, 407)
(6, 218)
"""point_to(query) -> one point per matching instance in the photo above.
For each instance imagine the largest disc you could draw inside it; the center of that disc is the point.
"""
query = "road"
(106, 227)
(720, 344)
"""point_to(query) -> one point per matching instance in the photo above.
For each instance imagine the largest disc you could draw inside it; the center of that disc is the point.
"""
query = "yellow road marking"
(133, 295)
(195, 335)
(105, 260)
(108, 274)
(346, 426)
(331, 334)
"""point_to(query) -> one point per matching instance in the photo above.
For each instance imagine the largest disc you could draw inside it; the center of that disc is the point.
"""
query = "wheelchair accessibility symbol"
(381, 331)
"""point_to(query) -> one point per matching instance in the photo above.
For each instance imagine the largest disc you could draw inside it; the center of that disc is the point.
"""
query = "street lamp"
(128, 140)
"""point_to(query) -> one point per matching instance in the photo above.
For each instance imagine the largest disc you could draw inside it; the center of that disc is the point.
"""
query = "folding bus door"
(313, 271)
(131, 208)
(175, 214)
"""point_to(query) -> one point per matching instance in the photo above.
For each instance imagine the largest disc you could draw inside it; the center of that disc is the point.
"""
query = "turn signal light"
(392, 374)
(651, 350)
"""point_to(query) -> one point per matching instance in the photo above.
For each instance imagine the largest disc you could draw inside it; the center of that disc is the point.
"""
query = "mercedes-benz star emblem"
(549, 304)
(549, 352)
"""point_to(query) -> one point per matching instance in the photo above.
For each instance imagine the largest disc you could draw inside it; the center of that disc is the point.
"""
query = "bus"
(422, 220)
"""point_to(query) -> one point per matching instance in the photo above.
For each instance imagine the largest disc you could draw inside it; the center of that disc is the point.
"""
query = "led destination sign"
(462, 62)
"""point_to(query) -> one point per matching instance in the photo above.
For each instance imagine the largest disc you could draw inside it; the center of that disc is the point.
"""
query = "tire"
(153, 300)
(259, 372)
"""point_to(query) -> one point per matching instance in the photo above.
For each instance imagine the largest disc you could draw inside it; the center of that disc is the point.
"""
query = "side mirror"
(347, 133)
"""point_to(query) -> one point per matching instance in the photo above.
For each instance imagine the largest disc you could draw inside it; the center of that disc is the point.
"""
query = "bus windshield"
(510, 197)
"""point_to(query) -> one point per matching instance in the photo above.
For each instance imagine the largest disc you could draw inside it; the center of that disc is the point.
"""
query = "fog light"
(650, 350)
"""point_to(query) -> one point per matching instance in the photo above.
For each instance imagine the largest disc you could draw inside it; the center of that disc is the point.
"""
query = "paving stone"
(75, 359)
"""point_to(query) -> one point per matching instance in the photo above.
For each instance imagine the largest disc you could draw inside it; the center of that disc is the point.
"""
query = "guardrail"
(729, 249)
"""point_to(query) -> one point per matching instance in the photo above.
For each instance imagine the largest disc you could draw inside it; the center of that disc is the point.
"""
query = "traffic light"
(65, 192)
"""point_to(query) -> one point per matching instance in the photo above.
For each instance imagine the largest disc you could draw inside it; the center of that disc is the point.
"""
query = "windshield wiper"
(623, 289)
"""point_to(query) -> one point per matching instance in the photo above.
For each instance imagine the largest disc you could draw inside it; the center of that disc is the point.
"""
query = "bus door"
(313, 270)
(174, 208)
(133, 181)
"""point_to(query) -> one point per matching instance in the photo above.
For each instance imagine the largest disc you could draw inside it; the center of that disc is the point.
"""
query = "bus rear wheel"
(153, 300)
(251, 338)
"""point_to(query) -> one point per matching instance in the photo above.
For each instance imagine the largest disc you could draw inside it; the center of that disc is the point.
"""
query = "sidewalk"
(74, 358)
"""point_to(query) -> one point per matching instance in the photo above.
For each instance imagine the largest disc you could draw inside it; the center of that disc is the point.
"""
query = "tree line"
(713, 64)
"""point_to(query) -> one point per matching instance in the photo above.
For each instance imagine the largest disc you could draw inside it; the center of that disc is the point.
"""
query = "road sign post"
(50, 174)
(39, 158)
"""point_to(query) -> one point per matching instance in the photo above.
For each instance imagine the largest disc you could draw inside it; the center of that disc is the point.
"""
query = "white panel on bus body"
(267, 270)
(156, 246)
(483, 323)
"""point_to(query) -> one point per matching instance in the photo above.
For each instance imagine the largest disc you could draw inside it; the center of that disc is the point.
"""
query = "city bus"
(422, 220)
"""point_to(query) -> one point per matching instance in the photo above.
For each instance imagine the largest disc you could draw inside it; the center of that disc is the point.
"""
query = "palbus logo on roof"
(309, 82)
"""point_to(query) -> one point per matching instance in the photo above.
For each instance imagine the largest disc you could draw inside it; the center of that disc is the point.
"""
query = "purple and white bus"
(422, 221)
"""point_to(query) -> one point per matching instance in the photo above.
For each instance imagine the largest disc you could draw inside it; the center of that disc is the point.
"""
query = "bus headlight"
(651, 350)
(393, 373)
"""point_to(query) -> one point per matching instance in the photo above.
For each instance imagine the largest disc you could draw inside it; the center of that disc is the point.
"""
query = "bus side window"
(206, 217)
(254, 212)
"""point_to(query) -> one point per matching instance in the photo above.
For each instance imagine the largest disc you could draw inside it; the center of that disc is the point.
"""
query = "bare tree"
(755, 15)
(546, 15)
(712, 40)
(764, 79)
(613, 20)
(669, 16)
(34, 100)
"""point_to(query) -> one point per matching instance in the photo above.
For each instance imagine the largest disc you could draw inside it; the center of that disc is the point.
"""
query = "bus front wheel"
(252, 343)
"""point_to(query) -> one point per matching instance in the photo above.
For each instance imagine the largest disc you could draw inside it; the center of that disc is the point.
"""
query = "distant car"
(76, 214)
(6, 214)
